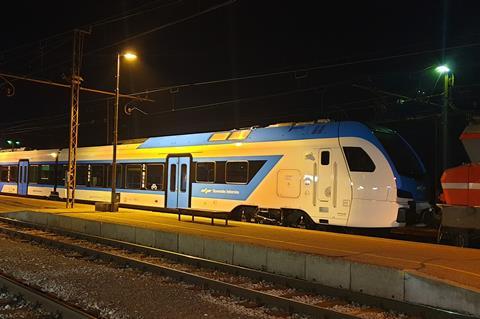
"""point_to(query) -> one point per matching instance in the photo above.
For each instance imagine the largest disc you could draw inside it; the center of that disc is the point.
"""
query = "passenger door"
(22, 180)
(178, 182)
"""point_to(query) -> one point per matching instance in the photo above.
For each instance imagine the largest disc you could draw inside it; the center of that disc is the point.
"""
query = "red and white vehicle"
(461, 192)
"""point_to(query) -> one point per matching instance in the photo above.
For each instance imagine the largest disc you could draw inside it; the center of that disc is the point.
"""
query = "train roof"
(277, 132)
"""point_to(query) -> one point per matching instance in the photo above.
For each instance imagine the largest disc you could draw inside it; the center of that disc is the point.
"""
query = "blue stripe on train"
(235, 191)
(210, 190)
(268, 134)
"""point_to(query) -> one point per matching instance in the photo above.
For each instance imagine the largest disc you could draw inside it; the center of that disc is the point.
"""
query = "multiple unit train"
(329, 173)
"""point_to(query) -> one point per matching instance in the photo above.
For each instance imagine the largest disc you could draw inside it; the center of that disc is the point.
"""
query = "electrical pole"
(448, 85)
(76, 79)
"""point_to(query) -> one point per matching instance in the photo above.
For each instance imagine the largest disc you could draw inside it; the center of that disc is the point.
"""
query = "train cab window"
(205, 172)
(13, 173)
(82, 175)
(154, 180)
(325, 158)
(133, 176)
(33, 174)
(236, 172)
(358, 160)
(97, 176)
(3, 173)
(403, 156)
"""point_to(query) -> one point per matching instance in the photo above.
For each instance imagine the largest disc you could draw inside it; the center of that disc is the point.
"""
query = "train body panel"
(333, 173)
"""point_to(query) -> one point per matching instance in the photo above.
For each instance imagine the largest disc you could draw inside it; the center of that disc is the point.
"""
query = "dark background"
(371, 61)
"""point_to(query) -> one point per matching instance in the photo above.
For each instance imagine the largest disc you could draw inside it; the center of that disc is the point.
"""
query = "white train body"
(339, 173)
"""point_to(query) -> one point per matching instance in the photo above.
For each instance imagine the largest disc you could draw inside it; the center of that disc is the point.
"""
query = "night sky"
(371, 61)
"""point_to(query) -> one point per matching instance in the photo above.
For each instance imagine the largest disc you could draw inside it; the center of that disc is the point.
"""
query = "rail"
(48, 302)
(288, 304)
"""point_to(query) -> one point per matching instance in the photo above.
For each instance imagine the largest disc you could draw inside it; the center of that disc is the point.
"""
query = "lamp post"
(448, 84)
(129, 56)
(13, 143)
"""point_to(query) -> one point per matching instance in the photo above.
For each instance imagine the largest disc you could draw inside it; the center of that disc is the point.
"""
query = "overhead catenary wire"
(147, 32)
(112, 19)
(309, 69)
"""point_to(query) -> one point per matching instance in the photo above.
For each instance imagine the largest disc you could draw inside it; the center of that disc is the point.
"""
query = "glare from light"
(130, 56)
(54, 155)
(238, 144)
(442, 69)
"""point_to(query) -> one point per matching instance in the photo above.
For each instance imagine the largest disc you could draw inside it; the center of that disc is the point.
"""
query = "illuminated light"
(375, 188)
(222, 136)
(130, 56)
(238, 144)
(17, 142)
(54, 155)
(239, 135)
(442, 69)
(360, 188)
(9, 142)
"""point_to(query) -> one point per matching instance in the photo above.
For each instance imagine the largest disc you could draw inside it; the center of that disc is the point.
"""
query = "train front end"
(388, 179)
(410, 176)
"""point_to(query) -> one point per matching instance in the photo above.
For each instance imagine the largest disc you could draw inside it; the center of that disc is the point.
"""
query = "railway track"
(48, 303)
(255, 287)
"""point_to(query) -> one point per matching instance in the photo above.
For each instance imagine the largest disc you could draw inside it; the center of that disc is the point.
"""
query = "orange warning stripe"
(469, 136)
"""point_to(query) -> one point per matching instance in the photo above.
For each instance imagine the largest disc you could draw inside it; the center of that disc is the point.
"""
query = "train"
(460, 200)
(319, 173)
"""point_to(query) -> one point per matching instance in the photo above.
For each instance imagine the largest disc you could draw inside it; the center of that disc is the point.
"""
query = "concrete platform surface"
(400, 269)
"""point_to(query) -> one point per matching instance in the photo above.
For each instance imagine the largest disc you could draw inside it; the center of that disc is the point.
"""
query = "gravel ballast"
(113, 292)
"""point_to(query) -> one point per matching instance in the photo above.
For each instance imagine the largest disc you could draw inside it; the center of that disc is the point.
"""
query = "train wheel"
(302, 221)
(461, 239)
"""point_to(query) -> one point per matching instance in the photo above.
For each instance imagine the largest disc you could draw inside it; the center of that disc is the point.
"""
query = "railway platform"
(429, 274)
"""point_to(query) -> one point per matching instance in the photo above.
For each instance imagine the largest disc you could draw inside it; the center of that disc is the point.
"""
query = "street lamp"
(448, 84)
(13, 143)
(129, 56)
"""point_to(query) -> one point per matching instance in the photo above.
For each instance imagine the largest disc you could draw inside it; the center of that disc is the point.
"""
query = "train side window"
(205, 172)
(325, 158)
(133, 176)
(97, 176)
(62, 175)
(13, 173)
(236, 172)
(33, 176)
(47, 174)
(119, 174)
(3, 173)
(154, 177)
(253, 168)
(44, 174)
(82, 175)
(358, 160)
